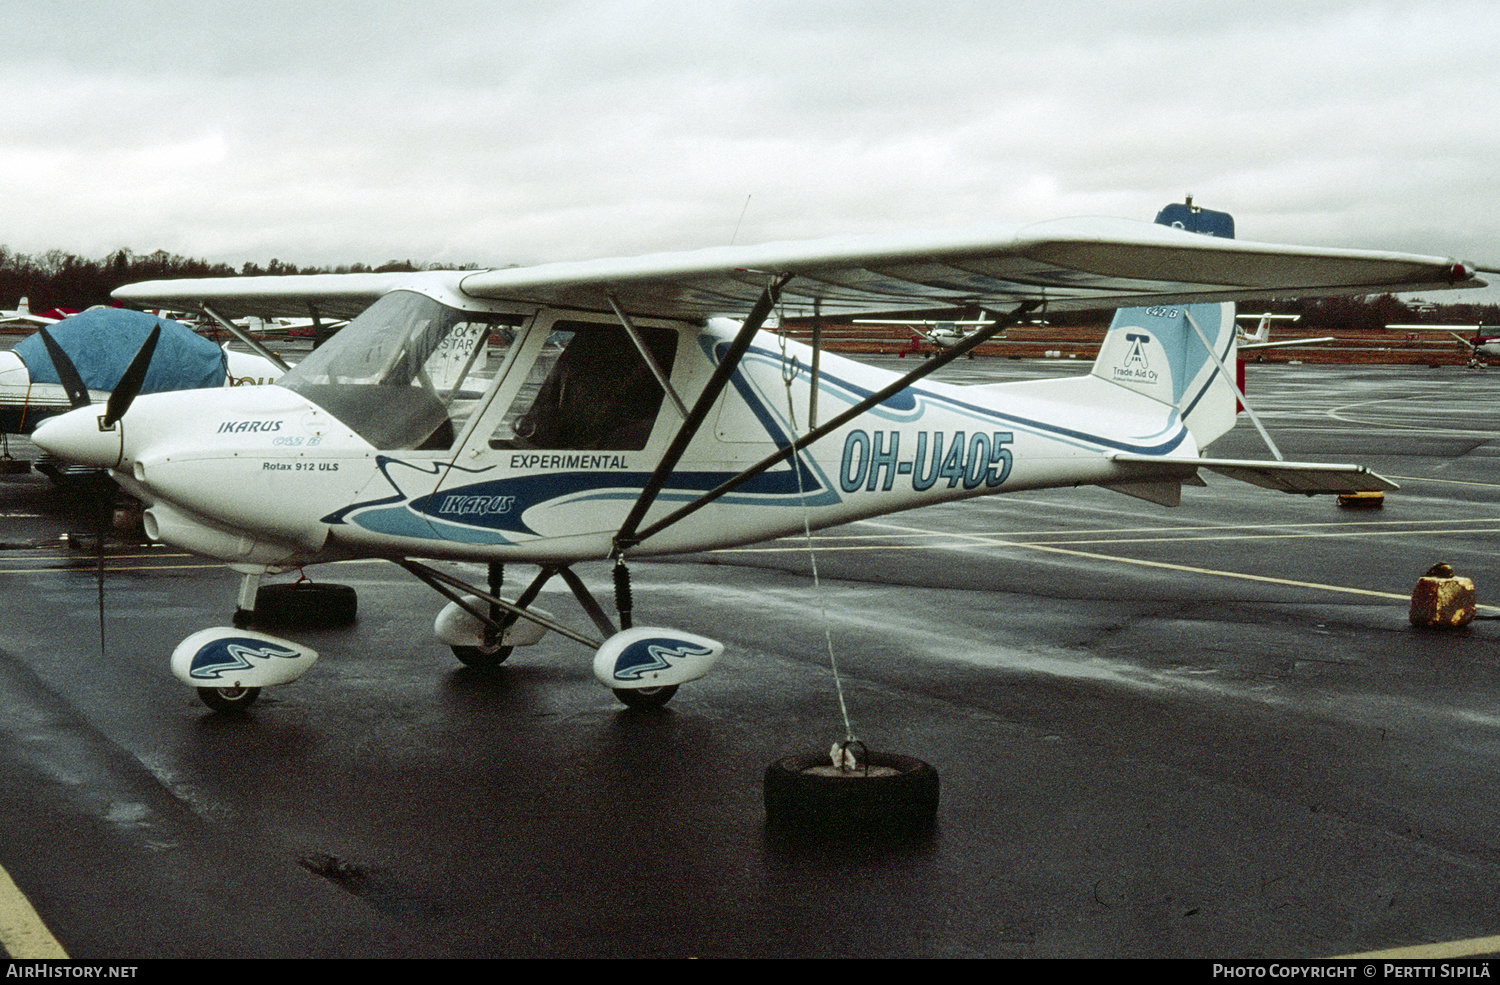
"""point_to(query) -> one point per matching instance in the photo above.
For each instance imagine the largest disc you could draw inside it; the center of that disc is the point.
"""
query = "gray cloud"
(515, 132)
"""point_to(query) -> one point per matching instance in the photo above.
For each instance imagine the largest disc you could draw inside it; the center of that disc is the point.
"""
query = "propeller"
(67, 373)
(120, 399)
(125, 391)
(129, 387)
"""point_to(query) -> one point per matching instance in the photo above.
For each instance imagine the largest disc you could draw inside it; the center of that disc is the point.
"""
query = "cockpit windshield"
(407, 372)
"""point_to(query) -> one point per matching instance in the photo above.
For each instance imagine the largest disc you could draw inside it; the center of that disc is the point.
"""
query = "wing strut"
(246, 338)
(937, 362)
(1234, 382)
(627, 538)
(440, 582)
(645, 351)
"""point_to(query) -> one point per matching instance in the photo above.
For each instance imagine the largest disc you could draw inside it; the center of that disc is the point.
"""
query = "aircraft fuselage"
(494, 442)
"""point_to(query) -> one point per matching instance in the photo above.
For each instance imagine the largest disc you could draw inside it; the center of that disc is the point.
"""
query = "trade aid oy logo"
(1135, 367)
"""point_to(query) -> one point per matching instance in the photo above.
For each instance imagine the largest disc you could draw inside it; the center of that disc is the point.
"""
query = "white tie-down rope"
(841, 754)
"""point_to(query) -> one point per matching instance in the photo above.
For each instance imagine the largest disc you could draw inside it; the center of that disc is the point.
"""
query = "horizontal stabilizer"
(1163, 493)
(1293, 477)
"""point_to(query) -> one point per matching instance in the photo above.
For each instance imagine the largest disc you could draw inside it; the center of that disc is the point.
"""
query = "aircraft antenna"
(741, 219)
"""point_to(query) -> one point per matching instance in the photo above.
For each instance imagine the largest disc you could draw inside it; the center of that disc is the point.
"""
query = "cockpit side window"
(407, 373)
(589, 389)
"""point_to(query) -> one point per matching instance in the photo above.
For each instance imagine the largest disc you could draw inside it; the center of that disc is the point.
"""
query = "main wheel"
(306, 604)
(645, 697)
(895, 793)
(228, 699)
(482, 657)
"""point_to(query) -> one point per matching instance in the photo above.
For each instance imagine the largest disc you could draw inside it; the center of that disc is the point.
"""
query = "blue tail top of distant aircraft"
(1189, 217)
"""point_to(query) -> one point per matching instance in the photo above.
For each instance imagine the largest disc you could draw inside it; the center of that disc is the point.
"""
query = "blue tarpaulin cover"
(101, 342)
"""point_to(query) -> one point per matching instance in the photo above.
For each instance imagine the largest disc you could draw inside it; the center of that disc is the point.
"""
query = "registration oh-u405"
(876, 459)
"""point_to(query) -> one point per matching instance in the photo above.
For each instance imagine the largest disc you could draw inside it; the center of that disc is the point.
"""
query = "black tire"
(898, 794)
(482, 658)
(306, 604)
(226, 700)
(645, 697)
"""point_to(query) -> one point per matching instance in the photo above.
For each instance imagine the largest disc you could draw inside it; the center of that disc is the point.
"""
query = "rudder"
(1159, 353)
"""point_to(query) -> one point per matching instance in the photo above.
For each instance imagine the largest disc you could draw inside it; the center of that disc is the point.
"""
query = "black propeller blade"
(120, 399)
(67, 373)
(129, 386)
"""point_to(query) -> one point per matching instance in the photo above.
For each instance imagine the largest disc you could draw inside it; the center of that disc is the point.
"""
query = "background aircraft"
(100, 343)
(1482, 345)
(24, 316)
(1261, 337)
(576, 411)
(939, 333)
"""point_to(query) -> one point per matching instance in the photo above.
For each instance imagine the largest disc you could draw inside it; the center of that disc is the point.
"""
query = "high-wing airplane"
(941, 334)
(1483, 345)
(1261, 337)
(619, 409)
(23, 315)
(100, 343)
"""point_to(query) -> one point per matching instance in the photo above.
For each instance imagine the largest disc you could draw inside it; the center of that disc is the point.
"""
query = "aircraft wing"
(1434, 328)
(337, 297)
(1293, 477)
(36, 321)
(1286, 343)
(1068, 264)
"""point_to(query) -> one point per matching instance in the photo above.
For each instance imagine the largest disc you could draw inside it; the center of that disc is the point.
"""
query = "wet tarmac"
(1207, 731)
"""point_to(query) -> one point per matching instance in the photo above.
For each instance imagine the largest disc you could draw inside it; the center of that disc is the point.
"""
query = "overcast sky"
(516, 132)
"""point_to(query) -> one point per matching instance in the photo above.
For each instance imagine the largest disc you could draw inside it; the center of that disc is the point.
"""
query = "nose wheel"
(228, 699)
(645, 697)
(482, 657)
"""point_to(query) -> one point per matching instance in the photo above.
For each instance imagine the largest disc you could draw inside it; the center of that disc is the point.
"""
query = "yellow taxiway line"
(23, 936)
(1472, 948)
(955, 540)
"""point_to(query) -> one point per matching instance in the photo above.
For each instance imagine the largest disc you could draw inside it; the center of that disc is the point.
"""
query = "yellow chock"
(1362, 500)
(1442, 600)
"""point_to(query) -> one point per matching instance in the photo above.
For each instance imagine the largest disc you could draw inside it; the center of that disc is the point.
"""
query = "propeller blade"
(129, 386)
(67, 373)
(106, 514)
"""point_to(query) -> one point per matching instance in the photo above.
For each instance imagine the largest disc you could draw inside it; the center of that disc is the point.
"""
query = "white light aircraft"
(1261, 337)
(940, 333)
(23, 315)
(668, 422)
(1482, 344)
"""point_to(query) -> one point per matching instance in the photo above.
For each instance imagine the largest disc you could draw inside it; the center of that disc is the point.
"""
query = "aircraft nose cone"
(75, 437)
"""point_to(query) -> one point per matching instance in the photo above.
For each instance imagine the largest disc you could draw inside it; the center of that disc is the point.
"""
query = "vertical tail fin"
(1173, 353)
(1262, 331)
(1158, 352)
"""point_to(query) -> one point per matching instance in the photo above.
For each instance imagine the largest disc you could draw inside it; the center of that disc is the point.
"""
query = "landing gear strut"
(489, 654)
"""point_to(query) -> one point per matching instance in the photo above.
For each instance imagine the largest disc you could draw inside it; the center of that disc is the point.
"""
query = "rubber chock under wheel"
(306, 604)
(895, 793)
